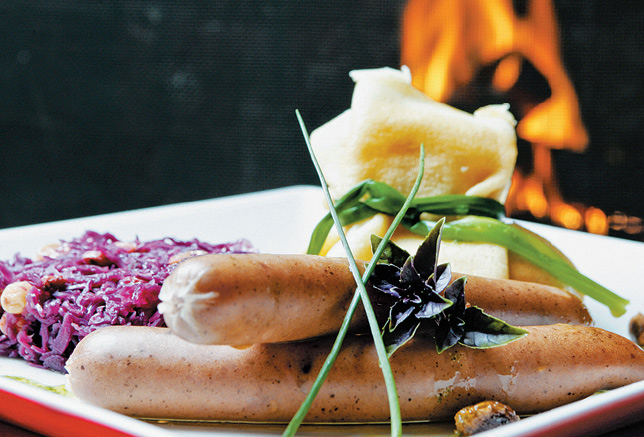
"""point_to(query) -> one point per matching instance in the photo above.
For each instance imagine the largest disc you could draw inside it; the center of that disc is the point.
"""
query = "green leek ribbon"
(484, 221)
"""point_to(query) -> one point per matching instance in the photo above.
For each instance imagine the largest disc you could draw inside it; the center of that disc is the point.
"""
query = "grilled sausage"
(149, 372)
(238, 299)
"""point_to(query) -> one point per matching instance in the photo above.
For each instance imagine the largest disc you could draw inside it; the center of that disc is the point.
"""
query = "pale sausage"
(149, 372)
(238, 299)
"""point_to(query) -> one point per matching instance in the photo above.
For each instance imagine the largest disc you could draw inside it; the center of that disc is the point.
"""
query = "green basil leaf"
(392, 254)
(483, 331)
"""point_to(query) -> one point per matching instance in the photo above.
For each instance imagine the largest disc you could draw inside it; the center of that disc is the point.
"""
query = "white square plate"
(281, 221)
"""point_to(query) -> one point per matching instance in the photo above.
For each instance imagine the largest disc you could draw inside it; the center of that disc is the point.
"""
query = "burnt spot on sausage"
(306, 367)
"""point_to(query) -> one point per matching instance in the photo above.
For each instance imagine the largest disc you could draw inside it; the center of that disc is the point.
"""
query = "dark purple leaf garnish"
(426, 257)
(400, 311)
(451, 326)
(443, 276)
(398, 337)
(433, 306)
(448, 333)
(386, 278)
(424, 293)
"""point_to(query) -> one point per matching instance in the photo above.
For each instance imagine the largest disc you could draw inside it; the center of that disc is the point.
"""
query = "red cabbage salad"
(78, 286)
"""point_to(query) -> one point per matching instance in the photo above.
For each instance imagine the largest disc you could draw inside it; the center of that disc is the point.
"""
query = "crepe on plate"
(379, 138)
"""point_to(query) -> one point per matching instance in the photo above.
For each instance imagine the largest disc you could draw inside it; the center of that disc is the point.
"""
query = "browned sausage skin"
(525, 303)
(261, 298)
(148, 372)
(256, 299)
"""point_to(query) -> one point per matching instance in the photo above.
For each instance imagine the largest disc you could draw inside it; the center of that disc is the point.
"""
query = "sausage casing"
(238, 299)
(149, 372)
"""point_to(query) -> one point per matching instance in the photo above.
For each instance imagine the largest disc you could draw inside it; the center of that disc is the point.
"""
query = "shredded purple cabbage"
(87, 283)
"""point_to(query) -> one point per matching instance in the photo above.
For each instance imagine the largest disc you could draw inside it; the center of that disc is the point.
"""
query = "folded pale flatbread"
(379, 138)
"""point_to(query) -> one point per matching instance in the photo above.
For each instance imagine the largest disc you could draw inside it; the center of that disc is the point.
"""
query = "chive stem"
(360, 294)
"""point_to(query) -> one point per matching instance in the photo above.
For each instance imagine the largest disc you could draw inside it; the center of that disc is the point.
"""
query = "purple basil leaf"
(414, 298)
(423, 293)
(456, 293)
(409, 275)
(448, 333)
(434, 305)
(386, 278)
(426, 256)
(443, 277)
(394, 339)
(399, 312)
(395, 292)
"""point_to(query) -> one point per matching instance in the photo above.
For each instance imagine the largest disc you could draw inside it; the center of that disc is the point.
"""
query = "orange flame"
(446, 42)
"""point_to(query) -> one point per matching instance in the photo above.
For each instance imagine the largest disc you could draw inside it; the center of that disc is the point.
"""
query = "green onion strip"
(485, 222)
(530, 247)
(360, 294)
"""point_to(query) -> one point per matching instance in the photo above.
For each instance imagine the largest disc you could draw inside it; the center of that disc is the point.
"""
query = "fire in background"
(470, 53)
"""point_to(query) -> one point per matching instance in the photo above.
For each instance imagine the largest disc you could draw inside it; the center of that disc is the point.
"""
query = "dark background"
(113, 105)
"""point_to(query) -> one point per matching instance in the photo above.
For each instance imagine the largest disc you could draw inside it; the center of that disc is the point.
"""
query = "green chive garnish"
(360, 294)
